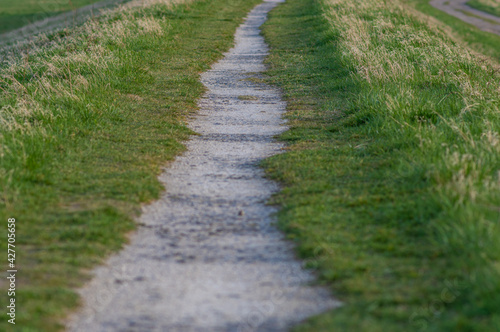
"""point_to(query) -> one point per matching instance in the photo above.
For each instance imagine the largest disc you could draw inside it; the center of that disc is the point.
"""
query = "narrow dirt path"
(207, 257)
(459, 9)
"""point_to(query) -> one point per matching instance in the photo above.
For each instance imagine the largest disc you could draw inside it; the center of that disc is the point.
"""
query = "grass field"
(487, 6)
(391, 175)
(15, 14)
(86, 126)
(480, 41)
(392, 172)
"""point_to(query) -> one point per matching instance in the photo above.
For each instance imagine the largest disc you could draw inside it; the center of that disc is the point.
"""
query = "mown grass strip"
(487, 6)
(391, 176)
(468, 13)
(86, 125)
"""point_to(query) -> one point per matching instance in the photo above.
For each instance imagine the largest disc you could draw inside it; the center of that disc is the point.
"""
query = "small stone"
(241, 213)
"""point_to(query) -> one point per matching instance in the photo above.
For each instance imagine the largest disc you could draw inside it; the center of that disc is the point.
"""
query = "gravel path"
(206, 256)
(459, 9)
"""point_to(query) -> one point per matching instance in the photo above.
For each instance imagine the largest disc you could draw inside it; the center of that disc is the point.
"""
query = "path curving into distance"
(206, 256)
(459, 9)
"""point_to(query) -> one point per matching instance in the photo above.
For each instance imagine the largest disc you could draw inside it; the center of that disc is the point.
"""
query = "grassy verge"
(470, 14)
(487, 6)
(85, 125)
(391, 176)
(483, 42)
(15, 14)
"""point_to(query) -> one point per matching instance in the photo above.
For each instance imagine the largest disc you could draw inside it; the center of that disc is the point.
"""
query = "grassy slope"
(15, 14)
(376, 194)
(488, 6)
(481, 41)
(75, 172)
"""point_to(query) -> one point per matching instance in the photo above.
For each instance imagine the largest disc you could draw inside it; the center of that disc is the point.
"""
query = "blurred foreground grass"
(391, 178)
(86, 123)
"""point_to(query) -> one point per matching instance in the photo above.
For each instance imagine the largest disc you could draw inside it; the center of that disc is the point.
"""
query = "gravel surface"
(206, 256)
(459, 9)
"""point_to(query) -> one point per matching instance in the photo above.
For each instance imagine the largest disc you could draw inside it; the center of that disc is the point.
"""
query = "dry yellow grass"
(385, 51)
(56, 71)
(419, 50)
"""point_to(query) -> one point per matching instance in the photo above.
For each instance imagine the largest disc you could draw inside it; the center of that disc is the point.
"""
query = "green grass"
(15, 14)
(391, 177)
(488, 6)
(86, 126)
(483, 42)
(468, 13)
